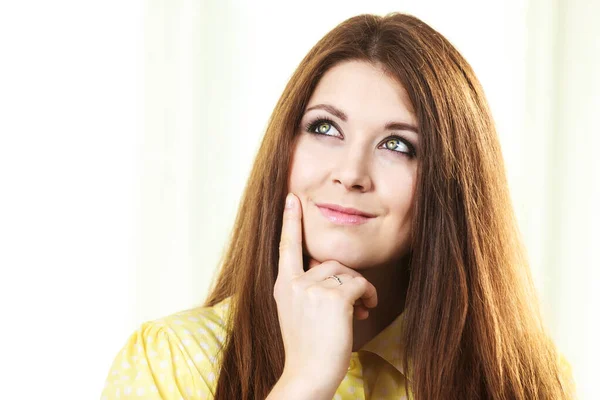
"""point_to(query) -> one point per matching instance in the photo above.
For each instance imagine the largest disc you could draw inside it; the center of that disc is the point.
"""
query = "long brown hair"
(473, 328)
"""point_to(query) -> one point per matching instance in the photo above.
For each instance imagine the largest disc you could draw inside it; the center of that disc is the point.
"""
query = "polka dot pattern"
(176, 357)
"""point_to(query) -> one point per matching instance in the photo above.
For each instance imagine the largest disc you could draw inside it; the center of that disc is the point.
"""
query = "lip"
(344, 215)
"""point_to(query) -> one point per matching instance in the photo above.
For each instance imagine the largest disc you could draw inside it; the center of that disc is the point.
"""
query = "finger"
(290, 244)
(330, 267)
(360, 312)
(313, 263)
(368, 299)
(360, 288)
(330, 282)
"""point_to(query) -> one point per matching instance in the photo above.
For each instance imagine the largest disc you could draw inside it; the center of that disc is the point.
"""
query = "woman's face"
(356, 149)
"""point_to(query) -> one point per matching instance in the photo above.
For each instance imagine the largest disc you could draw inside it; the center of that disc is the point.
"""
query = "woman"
(396, 268)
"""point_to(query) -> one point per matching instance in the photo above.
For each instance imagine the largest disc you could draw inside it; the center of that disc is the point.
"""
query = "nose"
(352, 171)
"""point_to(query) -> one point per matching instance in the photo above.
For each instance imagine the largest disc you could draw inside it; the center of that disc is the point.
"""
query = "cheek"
(399, 201)
(307, 166)
(396, 186)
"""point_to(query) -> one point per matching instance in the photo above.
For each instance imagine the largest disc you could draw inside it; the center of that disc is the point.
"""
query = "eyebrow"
(393, 125)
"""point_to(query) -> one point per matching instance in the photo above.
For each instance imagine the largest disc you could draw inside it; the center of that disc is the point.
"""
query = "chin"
(344, 257)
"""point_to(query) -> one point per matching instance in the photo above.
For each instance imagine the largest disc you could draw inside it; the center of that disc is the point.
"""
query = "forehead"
(364, 91)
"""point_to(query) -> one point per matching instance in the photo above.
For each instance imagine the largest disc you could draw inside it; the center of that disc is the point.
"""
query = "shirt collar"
(387, 344)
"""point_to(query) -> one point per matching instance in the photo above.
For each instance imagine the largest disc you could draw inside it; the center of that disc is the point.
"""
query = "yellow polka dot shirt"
(175, 358)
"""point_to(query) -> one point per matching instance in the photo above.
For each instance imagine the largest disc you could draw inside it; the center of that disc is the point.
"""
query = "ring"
(336, 278)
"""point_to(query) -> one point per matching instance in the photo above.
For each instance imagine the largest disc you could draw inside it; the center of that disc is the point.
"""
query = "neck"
(391, 282)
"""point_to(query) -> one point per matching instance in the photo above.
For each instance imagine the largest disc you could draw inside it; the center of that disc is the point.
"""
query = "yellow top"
(174, 357)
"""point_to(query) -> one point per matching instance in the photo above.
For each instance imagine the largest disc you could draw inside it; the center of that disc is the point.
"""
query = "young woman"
(395, 268)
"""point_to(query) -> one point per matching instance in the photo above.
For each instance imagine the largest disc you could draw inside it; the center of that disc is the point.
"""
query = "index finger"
(290, 244)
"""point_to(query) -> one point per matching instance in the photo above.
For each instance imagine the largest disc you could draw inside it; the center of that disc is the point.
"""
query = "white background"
(127, 130)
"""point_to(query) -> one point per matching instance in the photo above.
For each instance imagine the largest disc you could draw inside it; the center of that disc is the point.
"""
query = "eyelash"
(311, 126)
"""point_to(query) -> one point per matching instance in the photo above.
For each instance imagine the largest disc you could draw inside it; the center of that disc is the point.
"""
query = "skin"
(321, 321)
(355, 167)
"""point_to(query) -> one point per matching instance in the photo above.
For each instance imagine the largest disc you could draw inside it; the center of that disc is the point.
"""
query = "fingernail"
(289, 201)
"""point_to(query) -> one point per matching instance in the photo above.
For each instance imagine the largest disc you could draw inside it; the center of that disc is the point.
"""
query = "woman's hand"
(315, 313)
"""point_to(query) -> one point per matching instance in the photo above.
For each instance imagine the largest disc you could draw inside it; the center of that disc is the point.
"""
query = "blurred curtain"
(562, 193)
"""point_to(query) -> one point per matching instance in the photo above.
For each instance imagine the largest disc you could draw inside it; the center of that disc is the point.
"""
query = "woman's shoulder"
(199, 322)
(171, 357)
(199, 330)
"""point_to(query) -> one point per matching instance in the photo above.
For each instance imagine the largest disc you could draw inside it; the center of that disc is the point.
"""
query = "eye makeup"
(315, 127)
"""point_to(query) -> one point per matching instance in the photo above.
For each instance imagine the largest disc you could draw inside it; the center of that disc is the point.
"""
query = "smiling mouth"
(342, 218)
